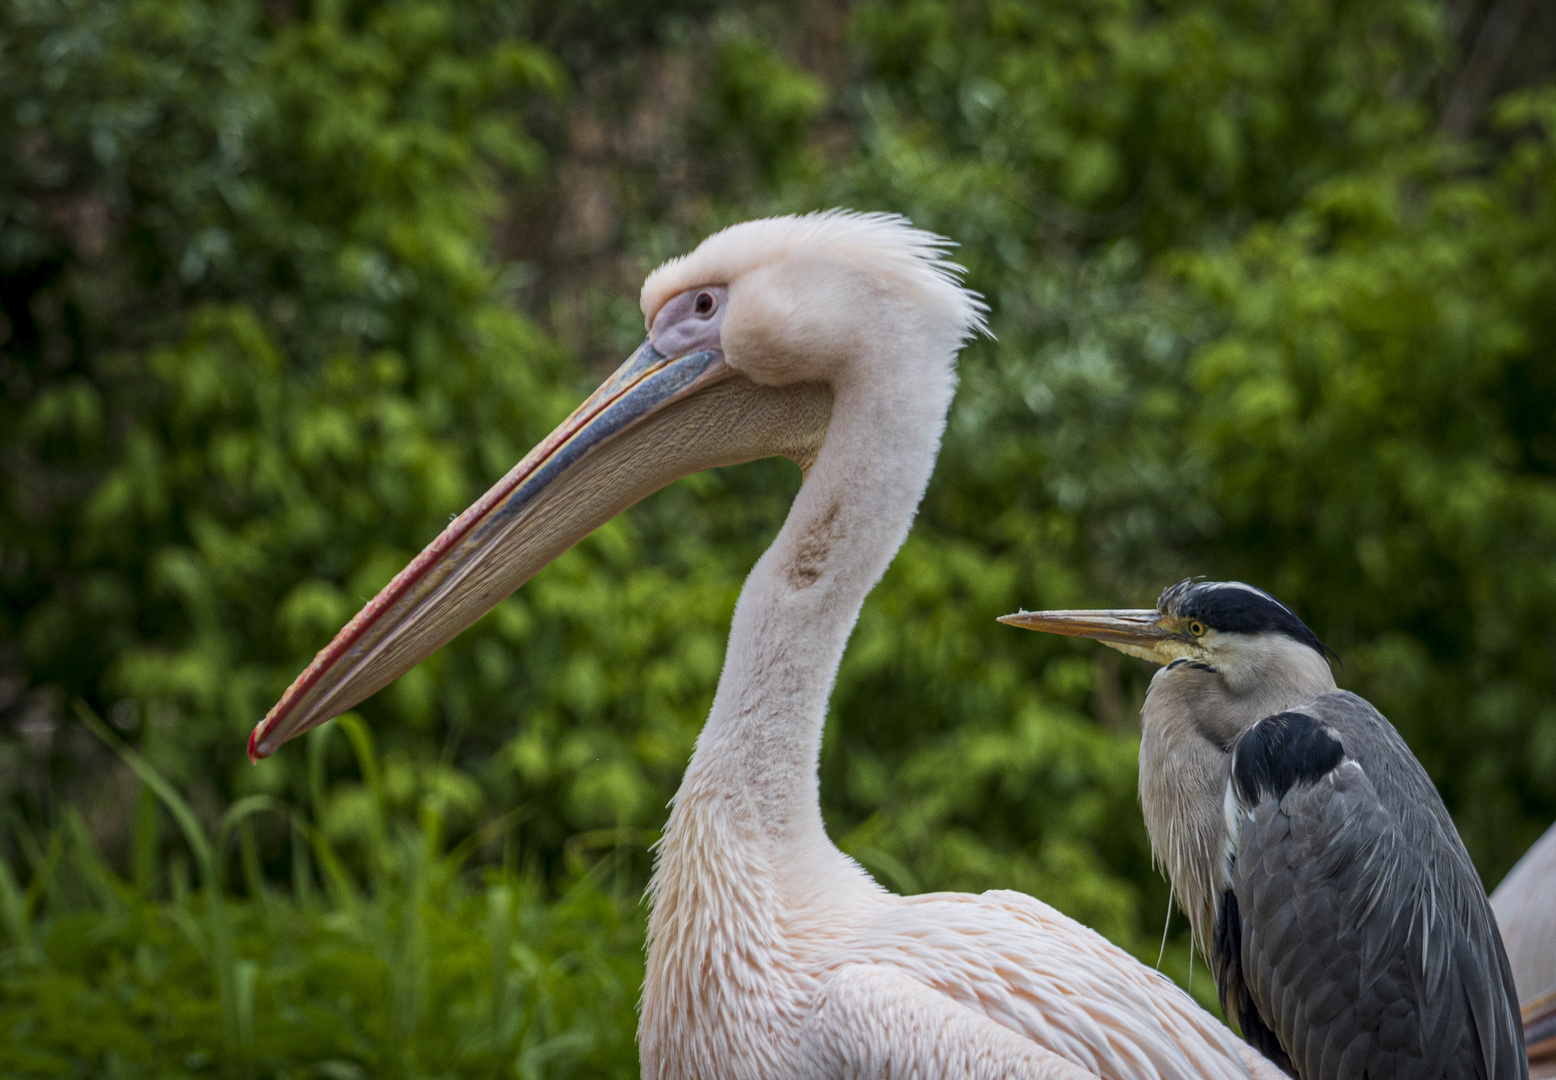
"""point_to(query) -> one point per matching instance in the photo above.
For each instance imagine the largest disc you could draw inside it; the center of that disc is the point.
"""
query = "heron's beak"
(1138, 632)
(655, 420)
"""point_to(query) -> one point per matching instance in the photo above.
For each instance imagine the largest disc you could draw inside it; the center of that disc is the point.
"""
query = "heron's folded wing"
(1361, 946)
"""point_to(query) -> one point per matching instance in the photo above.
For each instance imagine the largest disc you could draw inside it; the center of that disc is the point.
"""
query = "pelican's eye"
(704, 304)
(1196, 628)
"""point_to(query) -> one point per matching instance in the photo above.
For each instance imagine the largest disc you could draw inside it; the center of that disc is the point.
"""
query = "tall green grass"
(402, 961)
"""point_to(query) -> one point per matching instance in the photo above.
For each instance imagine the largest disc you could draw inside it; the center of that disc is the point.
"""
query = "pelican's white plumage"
(831, 339)
(771, 953)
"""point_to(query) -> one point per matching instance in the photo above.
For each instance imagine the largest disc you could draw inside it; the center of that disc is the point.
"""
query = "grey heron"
(1349, 933)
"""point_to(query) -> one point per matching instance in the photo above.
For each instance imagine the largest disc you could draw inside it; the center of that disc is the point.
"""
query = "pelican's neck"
(756, 760)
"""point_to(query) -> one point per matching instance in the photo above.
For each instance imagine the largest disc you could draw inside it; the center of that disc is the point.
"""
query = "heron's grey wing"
(1347, 936)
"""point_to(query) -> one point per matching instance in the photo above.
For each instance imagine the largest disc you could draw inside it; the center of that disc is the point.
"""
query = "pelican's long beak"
(1138, 632)
(655, 420)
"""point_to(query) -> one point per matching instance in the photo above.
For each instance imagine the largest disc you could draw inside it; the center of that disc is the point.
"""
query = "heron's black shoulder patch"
(1280, 752)
(1236, 608)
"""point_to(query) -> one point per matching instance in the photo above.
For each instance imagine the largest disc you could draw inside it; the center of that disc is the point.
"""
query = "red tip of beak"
(254, 754)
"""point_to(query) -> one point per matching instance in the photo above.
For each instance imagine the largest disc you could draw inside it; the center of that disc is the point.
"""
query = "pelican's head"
(818, 298)
(750, 338)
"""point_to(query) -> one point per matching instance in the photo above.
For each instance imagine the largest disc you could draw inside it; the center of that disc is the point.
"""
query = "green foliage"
(1107, 117)
(407, 969)
(1376, 414)
(325, 312)
(282, 286)
(1335, 388)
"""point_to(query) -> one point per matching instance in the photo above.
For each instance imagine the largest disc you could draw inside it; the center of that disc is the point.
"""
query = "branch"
(1498, 34)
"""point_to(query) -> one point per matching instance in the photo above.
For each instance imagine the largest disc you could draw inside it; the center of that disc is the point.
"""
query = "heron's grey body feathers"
(1353, 925)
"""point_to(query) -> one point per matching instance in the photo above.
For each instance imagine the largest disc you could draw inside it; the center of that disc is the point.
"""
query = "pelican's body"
(1525, 904)
(832, 339)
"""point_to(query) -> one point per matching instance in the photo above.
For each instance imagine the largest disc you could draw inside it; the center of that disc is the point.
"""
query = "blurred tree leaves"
(1281, 344)
(234, 408)
(284, 285)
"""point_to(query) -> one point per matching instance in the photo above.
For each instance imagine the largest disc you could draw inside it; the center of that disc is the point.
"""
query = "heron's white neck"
(756, 761)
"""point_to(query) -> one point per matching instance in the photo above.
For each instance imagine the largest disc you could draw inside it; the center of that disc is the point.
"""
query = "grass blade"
(223, 960)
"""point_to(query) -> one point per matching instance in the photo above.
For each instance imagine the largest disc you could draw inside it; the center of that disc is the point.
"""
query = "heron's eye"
(704, 304)
(1197, 628)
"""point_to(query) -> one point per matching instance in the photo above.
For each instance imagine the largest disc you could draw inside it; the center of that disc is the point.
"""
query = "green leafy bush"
(410, 968)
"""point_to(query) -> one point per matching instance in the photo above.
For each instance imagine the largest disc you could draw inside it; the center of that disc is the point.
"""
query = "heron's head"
(1240, 634)
(751, 338)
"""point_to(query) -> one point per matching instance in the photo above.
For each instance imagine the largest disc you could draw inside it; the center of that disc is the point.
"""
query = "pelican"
(830, 339)
(1525, 906)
